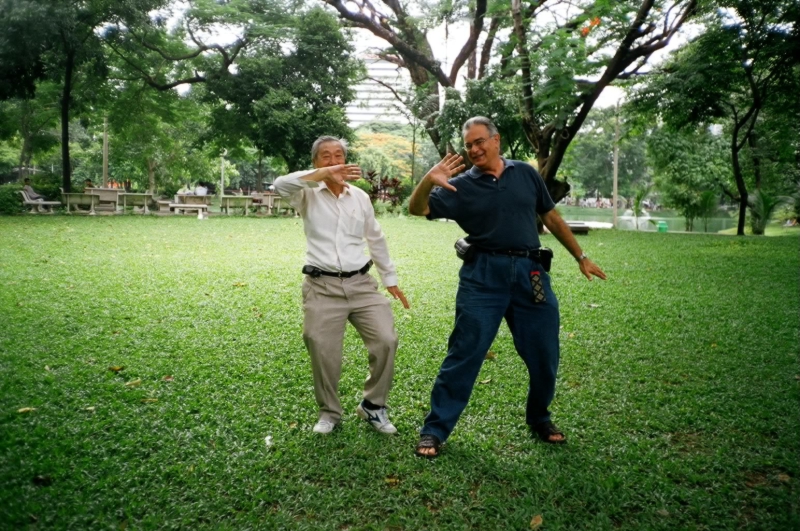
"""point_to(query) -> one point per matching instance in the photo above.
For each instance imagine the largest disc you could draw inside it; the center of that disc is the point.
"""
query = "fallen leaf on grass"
(26, 409)
(571, 335)
(784, 477)
(239, 284)
(134, 383)
(149, 400)
(536, 521)
(486, 381)
(491, 355)
(168, 378)
(293, 425)
(42, 481)
(663, 512)
(116, 368)
(391, 480)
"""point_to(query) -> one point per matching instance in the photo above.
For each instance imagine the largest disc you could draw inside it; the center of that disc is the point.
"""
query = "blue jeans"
(492, 287)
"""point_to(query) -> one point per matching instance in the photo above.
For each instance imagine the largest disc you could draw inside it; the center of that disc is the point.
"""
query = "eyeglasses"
(478, 143)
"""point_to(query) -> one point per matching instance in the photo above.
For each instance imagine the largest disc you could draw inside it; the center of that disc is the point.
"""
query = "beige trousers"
(328, 303)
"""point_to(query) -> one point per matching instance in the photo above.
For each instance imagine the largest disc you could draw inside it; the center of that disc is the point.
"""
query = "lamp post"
(222, 174)
(616, 159)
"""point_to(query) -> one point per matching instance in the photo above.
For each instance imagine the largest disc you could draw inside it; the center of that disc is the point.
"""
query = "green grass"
(678, 386)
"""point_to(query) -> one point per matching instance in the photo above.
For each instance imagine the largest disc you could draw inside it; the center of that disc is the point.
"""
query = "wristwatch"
(582, 257)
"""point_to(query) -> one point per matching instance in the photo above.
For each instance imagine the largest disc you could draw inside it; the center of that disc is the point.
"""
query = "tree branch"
(472, 42)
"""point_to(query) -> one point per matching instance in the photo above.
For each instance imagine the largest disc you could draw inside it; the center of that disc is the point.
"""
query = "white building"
(374, 100)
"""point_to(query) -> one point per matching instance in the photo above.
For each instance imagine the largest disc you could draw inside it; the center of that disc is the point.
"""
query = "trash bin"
(662, 226)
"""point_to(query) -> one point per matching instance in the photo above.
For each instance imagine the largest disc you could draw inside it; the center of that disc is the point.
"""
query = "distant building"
(374, 101)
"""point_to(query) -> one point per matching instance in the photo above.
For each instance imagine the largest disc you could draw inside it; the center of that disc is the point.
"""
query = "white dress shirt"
(337, 228)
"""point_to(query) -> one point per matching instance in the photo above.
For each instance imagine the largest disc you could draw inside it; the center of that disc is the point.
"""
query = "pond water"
(648, 222)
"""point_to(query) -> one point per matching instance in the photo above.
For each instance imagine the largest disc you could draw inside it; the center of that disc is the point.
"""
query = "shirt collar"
(475, 172)
(324, 186)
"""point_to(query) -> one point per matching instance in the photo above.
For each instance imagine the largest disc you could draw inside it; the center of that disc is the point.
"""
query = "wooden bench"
(38, 206)
(76, 200)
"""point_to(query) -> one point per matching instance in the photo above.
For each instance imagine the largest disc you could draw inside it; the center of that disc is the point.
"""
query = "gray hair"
(321, 140)
(480, 120)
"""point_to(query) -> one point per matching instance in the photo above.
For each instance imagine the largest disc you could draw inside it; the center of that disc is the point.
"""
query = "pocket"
(355, 222)
(307, 288)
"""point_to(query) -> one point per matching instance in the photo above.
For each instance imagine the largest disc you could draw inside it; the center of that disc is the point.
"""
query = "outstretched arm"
(449, 166)
(552, 220)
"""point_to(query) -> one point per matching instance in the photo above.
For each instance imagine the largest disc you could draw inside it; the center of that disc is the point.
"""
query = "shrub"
(11, 199)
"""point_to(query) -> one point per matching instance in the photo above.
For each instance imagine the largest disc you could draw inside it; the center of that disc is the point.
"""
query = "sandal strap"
(427, 440)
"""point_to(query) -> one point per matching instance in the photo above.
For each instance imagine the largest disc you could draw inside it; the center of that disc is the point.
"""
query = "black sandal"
(428, 441)
(546, 430)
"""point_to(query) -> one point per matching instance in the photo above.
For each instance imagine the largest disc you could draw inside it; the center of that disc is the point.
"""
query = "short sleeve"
(443, 203)
(544, 203)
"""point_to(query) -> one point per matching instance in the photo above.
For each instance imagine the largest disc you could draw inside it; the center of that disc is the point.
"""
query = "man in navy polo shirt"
(496, 203)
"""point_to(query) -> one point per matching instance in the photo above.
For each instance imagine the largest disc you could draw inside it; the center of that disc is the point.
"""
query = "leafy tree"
(747, 56)
(685, 165)
(762, 208)
(561, 57)
(280, 102)
(590, 159)
(65, 47)
(31, 123)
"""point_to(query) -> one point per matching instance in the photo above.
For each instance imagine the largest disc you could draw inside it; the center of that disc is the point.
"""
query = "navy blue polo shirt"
(496, 214)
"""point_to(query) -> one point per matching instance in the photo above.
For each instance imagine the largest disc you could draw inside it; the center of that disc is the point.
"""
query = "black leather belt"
(315, 272)
(536, 254)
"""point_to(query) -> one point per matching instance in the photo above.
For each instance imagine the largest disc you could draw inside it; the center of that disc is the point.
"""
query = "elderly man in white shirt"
(340, 224)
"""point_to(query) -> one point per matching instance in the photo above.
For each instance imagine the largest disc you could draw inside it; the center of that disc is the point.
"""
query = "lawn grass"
(678, 386)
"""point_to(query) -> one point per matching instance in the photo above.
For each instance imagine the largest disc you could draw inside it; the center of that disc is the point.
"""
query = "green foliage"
(11, 199)
(685, 165)
(495, 97)
(673, 418)
(282, 101)
(589, 160)
(762, 207)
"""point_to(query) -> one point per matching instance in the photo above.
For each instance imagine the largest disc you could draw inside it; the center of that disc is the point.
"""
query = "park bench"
(281, 205)
(183, 208)
(578, 227)
(76, 200)
(108, 198)
(38, 206)
(135, 200)
(227, 202)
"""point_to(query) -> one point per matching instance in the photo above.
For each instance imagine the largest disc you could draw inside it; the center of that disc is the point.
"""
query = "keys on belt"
(315, 272)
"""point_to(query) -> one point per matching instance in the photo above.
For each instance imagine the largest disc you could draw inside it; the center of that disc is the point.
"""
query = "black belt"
(315, 272)
(536, 254)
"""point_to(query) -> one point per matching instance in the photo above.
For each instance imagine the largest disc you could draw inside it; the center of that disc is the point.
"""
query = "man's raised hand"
(452, 164)
(342, 173)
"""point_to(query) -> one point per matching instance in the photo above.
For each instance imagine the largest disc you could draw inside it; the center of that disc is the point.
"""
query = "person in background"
(32, 195)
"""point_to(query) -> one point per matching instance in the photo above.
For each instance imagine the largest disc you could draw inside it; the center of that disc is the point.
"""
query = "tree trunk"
(751, 141)
(260, 175)
(151, 175)
(66, 95)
